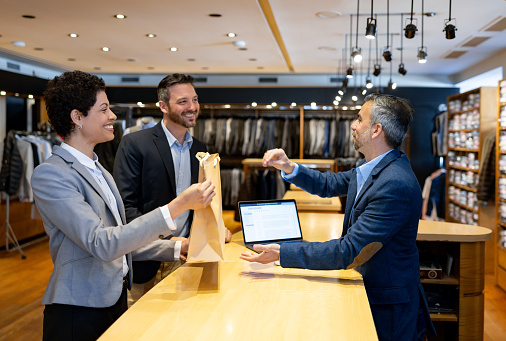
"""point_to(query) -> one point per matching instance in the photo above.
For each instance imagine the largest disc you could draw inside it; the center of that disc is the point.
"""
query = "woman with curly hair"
(90, 243)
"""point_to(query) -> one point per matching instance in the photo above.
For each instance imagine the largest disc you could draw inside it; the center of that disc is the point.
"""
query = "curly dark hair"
(170, 80)
(72, 90)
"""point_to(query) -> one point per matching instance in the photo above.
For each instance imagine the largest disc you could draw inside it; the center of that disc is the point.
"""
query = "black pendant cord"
(356, 32)
(388, 23)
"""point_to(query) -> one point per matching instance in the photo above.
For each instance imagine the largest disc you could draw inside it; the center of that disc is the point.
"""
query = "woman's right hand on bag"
(196, 196)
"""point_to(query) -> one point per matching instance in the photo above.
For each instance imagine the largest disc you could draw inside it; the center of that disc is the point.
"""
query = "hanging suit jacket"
(86, 244)
(144, 173)
(379, 241)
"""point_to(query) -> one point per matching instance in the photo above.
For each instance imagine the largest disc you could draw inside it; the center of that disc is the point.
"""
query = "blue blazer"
(86, 244)
(379, 240)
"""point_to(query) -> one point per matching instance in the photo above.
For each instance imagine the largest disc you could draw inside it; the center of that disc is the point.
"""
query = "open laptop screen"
(269, 221)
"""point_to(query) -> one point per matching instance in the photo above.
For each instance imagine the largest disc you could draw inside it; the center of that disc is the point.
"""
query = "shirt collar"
(187, 136)
(83, 159)
(367, 167)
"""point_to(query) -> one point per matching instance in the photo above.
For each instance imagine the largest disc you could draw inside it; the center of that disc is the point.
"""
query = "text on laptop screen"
(270, 221)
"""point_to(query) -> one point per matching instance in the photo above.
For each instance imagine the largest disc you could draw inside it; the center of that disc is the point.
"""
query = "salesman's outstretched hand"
(278, 159)
(270, 254)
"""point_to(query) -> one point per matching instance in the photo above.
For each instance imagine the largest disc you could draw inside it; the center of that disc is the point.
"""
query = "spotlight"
(370, 31)
(410, 31)
(356, 54)
(387, 54)
(392, 85)
(368, 83)
(364, 91)
(354, 98)
(422, 55)
(449, 30)
(340, 92)
(349, 72)
(377, 70)
(402, 70)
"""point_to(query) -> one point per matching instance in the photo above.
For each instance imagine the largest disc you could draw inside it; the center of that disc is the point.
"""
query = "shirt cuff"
(177, 249)
(167, 217)
(292, 175)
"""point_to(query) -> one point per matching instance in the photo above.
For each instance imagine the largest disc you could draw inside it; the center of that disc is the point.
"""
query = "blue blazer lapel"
(394, 154)
(163, 147)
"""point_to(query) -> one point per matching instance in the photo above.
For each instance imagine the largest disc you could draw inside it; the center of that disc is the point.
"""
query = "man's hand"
(270, 254)
(196, 196)
(228, 235)
(278, 159)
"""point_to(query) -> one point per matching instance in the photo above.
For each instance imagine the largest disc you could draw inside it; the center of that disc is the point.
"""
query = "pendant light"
(402, 70)
(410, 30)
(356, 52)
(387, 53)
(349, 72)
(391, 84)
(377, 66)
(450, 28)
(368, 83)
(422, 50)
(370, 30)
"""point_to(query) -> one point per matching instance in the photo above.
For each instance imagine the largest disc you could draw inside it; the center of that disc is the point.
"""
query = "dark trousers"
(70, 322)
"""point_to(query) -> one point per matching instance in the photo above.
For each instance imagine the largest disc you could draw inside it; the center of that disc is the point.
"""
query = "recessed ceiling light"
(73, 35)
(151, 35)
(38, 49)
(3, 93)
(191, 59)
(97, 68)
(105, 49)
(243, 49)
(130, 60)
(328, 14)
(173, 49)
(19, 43)
(151, 68)
(71, 59)
(231, 35)
(120, 16)
(215, 15)
(28, 16)
(260, 68)
(252, 59)
(205, 68)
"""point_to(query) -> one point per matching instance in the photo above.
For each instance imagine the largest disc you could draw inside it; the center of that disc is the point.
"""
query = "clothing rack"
(9, 232)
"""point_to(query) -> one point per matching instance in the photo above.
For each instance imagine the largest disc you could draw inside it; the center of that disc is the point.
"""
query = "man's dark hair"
(395, 114)
(170, 80)
(72, 90)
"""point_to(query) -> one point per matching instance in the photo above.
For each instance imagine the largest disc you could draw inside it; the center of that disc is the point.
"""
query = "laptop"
(269, 222)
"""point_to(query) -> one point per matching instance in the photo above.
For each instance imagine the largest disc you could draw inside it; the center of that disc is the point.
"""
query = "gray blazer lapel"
(163, 147)
(78, 167)
(112, 185)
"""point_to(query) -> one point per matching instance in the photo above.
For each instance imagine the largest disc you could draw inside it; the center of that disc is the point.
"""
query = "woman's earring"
(80, 126)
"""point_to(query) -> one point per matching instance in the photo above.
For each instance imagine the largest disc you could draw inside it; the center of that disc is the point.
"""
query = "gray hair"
(395, 114)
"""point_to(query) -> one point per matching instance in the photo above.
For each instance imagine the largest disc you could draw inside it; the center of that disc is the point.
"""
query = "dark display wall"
(425, 101)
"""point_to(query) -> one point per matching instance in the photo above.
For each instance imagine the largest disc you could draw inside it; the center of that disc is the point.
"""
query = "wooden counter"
(237, 300)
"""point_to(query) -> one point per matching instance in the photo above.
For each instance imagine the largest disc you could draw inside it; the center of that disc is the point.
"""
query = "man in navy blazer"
(384, 204)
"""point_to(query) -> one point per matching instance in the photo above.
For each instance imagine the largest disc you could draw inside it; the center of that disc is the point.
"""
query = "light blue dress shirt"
(182, 171)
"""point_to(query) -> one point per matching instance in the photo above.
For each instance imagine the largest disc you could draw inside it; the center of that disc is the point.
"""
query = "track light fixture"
(422, 50)
(392, 85)
(345, 84)
(368, 83)
(341, 91)
(349, 72)
(410, 30)
(370, 30)
(377, 70)
(363, 91)
(356, 54)
(450, 28)
(402, 70)
(422, 55)
(387, 54)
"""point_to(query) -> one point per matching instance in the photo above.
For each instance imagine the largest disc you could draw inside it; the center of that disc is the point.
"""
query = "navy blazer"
(379, 240)
(144, 174)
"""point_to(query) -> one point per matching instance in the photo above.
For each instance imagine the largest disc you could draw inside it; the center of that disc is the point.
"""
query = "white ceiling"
(313, 45)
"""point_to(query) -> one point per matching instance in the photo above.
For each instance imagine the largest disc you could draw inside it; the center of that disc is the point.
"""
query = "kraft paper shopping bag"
(207, 234)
